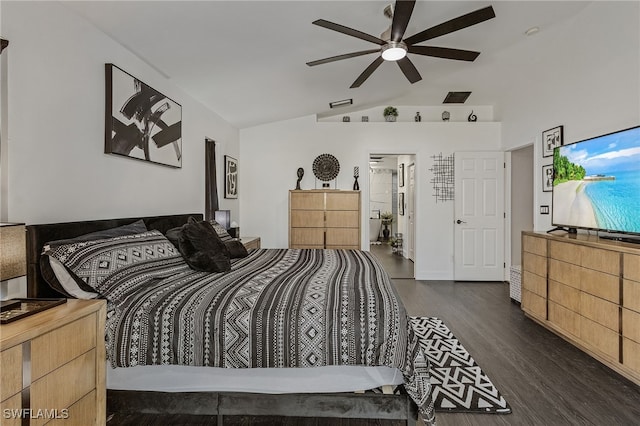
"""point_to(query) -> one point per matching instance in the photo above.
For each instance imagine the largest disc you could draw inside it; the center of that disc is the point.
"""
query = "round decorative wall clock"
(326, 167)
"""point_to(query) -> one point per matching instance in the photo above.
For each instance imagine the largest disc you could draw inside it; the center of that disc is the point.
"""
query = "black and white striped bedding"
(275, 308)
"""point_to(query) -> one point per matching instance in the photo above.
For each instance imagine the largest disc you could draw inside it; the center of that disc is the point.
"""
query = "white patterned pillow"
(222, 233)
(94, 261)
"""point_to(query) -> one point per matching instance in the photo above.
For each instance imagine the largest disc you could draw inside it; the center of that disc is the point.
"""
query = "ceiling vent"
(456, 97)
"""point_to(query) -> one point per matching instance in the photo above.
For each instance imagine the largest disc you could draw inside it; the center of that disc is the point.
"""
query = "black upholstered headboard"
(38, 235)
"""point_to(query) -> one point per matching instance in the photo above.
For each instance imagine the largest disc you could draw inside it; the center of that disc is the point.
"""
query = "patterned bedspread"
(275, 308)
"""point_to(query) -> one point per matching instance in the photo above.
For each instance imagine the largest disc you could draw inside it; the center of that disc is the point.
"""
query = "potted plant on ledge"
(387, 219)
(390, 113)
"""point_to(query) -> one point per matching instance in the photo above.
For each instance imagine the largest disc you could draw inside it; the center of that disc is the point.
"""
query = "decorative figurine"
(300, 174)
(417, 118)
(356, 174)
(472, 117)
(445, 116)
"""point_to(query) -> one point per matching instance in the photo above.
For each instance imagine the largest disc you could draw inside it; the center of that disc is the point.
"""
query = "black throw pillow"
(236, 249)
(201, 247)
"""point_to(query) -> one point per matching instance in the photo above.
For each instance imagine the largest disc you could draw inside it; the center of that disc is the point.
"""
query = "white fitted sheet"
(177, 378)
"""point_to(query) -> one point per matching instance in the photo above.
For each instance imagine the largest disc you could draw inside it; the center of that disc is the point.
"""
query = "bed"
(272, 336)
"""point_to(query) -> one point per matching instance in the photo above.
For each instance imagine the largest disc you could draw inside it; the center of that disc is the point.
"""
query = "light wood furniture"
(587, 290)
(250, 242)
(324, 219)
(53, 366)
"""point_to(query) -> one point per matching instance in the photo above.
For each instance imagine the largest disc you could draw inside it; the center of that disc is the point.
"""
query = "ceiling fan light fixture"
(394, 51)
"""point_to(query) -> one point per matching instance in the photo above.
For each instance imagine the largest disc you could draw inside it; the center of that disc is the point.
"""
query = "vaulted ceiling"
(246, 60)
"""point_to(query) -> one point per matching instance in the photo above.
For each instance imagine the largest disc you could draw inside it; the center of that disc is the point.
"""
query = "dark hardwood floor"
(546, 380)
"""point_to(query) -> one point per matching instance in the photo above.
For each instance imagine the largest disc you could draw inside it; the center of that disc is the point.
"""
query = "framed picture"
(401, 203)
(230, 177)
(141, 122)
(547, 178)
(375, 214)
(401, 175)
(550, 139)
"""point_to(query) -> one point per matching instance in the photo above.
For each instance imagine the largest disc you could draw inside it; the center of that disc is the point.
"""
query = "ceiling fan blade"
(401, 14)
(340, 57)
(444, 52)
(454, 24)
(348, 31)
(367, 72)
(409, 70)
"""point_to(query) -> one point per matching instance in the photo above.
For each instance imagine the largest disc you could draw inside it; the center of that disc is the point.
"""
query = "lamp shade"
(13, 251)
(223, 217)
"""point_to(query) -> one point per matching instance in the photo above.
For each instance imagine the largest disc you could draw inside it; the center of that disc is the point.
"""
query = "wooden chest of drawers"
(588, 291)
(53, 366)
(324, 219)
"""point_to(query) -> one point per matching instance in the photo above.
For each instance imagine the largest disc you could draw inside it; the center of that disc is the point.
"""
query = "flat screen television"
(596, 184)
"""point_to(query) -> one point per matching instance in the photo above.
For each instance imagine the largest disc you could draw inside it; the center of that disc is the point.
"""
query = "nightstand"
(250, 242)
(53, 366)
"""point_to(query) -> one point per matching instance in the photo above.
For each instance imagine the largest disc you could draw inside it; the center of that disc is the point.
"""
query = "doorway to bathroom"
(391, 201)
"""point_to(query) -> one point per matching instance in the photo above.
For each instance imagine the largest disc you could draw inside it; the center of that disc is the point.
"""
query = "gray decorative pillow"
(95, 261)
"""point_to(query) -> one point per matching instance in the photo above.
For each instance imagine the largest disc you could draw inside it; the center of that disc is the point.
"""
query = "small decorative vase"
(390, 118)
(445, 116)
(356, 186)
(472, 117)
(385, 232)
(417, 118)
(300, 174)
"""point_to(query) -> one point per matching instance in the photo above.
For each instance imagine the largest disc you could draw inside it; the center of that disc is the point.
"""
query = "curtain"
(211, 183)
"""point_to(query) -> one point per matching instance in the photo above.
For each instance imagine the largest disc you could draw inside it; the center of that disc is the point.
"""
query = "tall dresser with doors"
(324, 219)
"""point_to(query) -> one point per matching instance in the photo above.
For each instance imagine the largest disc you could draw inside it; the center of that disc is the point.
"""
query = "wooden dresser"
(324, 219)
(587, 290)
(53, 366)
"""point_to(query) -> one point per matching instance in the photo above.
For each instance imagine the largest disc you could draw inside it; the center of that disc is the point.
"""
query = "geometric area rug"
(458, 383)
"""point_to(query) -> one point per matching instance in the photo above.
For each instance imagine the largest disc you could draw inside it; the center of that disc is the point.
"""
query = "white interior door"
(411, 244)
(479, 216)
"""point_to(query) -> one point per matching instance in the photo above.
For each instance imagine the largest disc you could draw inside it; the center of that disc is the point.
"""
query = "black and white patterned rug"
(459, 384)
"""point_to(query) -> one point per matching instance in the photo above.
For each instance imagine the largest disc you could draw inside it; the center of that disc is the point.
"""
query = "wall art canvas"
(547, 178)
(550, 139)
(401, 175)
(230, 177)
(141, 122)
(401, 203)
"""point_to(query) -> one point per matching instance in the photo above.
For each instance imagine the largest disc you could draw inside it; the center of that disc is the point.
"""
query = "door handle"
(460, 221)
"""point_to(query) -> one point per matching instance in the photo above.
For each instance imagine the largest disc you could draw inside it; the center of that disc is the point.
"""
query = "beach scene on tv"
(596, 183)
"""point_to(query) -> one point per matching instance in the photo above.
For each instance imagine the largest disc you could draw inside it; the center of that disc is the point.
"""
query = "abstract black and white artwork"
(230, 177)
(141, 122)
(547, 178)
(550, 139)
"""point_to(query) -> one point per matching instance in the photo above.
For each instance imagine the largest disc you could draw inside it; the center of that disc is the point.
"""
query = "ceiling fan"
(394, 48)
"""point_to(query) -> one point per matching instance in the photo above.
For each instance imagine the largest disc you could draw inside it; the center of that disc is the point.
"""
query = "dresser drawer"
(10, 410)
(82, 412)
(11, 365)
(631, 295)
(600, 284)
(631, 267)
(307, 201)
(534, 245)
(601, 260)
(631, 355)
(599, 310)
(631, 325)
(81, 332)
(564, 318)
(65, 386)
(343, 201)
(343, 219)
(307, 218)
(564, 295)
(534, 305)
(534, 283)
(600, 338)
(307, 237)
(569, 253)
(565, 273)
(534, 263)
(343, 237)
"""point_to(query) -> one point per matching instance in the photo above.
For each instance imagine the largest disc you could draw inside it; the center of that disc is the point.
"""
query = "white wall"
(589, 83)
(273, 152)
(56, 110)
